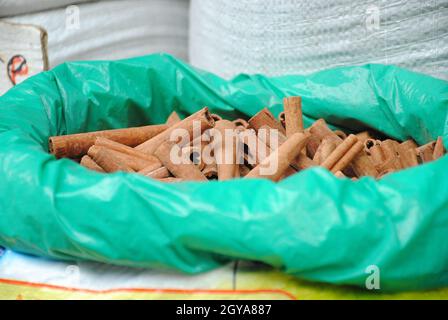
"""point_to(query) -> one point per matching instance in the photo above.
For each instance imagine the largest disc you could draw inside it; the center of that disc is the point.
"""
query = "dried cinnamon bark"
(185, 169)
(89, 163)
(202, 119)
(280, 159)
(292, 107)
(265, 118)
(76, 145)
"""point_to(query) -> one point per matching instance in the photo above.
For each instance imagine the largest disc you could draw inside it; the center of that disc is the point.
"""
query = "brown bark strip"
(108, 160)
(339, 152)
(265, 118)
(439, 149)
(202, 117)
(185, 170)
(282, 157)
(89, 163)
(76, 145)
(172, 119)
(293, 115)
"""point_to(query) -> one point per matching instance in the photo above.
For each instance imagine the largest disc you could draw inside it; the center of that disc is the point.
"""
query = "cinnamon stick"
(108, 160)
(342, 134)
(320, 130)
(76, 145)
(281, 118)
(293, 115)
(426, 151)
(339, 174)
(345, 160)
(439, 149)
(326, 147)
(104, 142)
(202, 119)
(363, 166)
(185, 169)
(265, 118)
(363, 136)
(89, 163)
(170, 180)
(241, 123)
(274, 166)
(301, 161)
(225, 149)
(390, 151)
(132, 162)
(373, 148)
(158, 173)
(339, 152)
(255, 148)
(210, 171)
(172, 119)
(408, 154)
(195, 155)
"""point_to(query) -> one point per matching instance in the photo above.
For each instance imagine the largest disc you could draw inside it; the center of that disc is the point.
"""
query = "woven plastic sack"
(312, 225)
(278, 37)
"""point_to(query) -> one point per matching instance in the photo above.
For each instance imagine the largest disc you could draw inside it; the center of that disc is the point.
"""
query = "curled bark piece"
(409, 144)
(109, 144)
(135, 163)
(326, 147)
(339, 174)
(439, 149)
(89, 163)
(108, 159)
(172, 119)
(195, 155)
(363, 136)
(426, 151)
(407, 153)
(385, 172)
(281, 118)
(170, 154)
(390, 151)
(293, 115)
(255, 148)
(339, 152)
(244, 170)
(216, 117)
(265, 118)
(201, 119)
(76, 145)
(241, 123)
(362, 165)
(320, 130)
(224, 143)
(345, 160)
(341, 134)
(171, 180)
(158, 173)
(312, 146)
(267, 133)
(301, 161)
(274, 166)
(211, 171)
(373, 148)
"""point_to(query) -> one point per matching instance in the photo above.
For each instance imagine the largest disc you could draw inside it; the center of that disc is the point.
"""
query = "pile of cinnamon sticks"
(204, 147)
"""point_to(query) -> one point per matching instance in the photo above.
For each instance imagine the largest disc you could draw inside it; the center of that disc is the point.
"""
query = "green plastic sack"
(311, 225)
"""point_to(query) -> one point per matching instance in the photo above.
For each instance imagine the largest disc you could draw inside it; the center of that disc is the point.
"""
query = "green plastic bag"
(311, 225)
